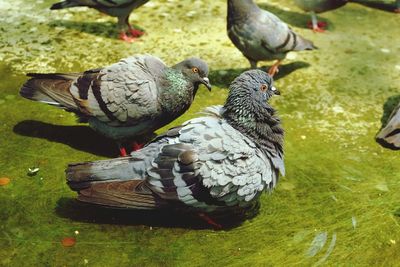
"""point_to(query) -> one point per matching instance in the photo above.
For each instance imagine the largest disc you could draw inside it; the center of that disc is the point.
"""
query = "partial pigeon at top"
(389, 136)
(319, 6)
(219, 162)
(128, 99)
(116, 8)
(397, 9)
(260, 35)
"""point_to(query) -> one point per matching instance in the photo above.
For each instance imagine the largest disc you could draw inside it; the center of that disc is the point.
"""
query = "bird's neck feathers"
(256, 120)
(240, 9)
(177, 93)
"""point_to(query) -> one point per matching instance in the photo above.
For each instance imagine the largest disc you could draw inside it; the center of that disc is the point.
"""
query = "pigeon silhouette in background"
(318, 6)
(116, 8)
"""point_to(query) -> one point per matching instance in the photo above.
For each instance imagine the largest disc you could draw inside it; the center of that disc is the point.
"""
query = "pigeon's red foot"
(397, 10)
(124, 37)
(122, 152)
(210, 221)
(321, 26)
(137, 146)
(135, 32)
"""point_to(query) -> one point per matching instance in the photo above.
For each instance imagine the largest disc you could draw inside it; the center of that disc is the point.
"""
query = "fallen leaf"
(4, 181)
(68, 241)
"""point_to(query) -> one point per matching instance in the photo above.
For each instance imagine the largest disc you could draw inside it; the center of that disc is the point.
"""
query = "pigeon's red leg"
(135, 32)
(122, 150)
(274, 68)
(137, 146)
(397, 10)
(124, 37)
(210, 221)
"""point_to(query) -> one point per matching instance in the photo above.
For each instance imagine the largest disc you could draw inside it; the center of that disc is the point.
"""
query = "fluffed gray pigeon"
(125, 100)
(389, 136)
(116, 8)
(219, 162)
(318, 6)
(260, 35)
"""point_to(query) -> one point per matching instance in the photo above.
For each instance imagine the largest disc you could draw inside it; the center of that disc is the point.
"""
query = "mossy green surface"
(337, 204)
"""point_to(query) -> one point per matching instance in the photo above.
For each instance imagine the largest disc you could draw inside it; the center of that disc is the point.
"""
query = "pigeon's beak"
(275, 91)
(206, 82)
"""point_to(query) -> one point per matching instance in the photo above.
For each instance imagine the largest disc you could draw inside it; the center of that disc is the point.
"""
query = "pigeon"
(318, 6)
(389, 136)
(126, 100)
(397, 9)
(116, 8)
(219, 162)
(260, 35)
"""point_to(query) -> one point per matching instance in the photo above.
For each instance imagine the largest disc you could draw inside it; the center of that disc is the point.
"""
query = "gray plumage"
(389, 136)
(218, 162)
(259, 34)
(127, 99)
(116, 8)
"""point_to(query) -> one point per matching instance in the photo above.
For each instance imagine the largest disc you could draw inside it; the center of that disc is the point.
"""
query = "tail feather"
(64, 4)
(51, 89)
(304, 44)
(121, 194)
(111, 183)
(81, 175)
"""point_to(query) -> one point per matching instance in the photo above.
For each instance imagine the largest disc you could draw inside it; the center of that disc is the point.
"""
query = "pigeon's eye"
(195, 70)
(263, 88)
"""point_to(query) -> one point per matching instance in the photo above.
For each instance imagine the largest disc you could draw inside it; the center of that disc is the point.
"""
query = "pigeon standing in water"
(217, 163)
(260, 35)
(127, 100)
(116, 8)
(318, 6)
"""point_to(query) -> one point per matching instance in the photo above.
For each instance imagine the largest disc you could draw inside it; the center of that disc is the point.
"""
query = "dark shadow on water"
(293, 18)
(224, 77)
(88, 213)
(104, 29)
(376, 5)
(78, 137)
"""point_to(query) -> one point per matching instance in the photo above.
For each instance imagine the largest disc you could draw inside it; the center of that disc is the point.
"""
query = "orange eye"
(263, 87)
(195, 70)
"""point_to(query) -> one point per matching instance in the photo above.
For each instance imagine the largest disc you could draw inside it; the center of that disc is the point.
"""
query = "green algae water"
(339, 203)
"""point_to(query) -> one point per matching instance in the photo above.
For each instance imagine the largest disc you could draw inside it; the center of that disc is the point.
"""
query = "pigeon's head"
(254, 83)
(195, 70)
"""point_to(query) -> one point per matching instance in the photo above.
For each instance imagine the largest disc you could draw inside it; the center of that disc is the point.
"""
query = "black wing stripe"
(97, 94)
(284, 43)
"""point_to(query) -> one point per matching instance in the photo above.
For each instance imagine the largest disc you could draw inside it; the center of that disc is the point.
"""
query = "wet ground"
(339, 203)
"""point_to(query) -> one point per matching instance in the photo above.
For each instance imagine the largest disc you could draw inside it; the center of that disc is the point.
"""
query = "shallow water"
(339, 203)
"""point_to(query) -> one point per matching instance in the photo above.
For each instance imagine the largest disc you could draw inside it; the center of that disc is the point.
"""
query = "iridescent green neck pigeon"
(219, 162)
(116, 8)
(126, 100)
(318, 6)
(260, 35)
